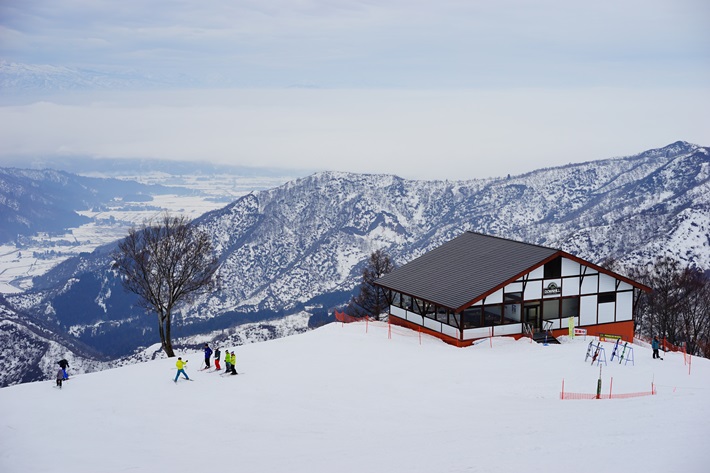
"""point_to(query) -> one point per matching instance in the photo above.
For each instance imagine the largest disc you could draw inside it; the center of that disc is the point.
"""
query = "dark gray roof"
(465, 268)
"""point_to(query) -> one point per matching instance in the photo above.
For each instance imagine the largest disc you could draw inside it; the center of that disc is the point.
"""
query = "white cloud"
(415, 134)
(385, 43)
(446, 89)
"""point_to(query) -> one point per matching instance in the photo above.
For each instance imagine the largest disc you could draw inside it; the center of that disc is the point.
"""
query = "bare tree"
(371, 300)
(695, 311)
(165, 264)
(678, 309)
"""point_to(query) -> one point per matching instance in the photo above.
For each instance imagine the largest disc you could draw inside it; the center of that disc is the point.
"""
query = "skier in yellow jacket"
(233, 362)
(181, 369)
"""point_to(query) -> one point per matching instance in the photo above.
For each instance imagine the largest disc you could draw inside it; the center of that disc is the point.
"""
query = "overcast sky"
(424, 89)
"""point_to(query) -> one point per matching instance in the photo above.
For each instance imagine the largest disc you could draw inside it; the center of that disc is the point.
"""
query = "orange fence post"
(562, 394)
(611, 383)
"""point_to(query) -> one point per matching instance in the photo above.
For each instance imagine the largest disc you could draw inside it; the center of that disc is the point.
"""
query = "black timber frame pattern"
(468, 268)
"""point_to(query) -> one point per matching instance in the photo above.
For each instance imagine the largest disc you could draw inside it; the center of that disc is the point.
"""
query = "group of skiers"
(230, 361)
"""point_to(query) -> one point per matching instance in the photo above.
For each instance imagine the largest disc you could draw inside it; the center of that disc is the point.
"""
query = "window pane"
(606, 297)
(397, 299)
(551, 309)
(493, 314)
(511, 313)
(570, 307)
(513, 297)
(442, 314)
(472, 317)
(553, 269)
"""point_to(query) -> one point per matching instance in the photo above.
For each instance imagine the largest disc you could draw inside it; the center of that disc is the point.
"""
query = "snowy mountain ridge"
(300, 247)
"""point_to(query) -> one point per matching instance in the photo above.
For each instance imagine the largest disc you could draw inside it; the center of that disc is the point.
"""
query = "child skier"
(233, 361)
(181, 369)
(227, 360)
(60, 377)
(216, 359)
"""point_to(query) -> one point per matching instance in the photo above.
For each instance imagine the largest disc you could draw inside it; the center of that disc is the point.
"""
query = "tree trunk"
(167, 343)
(164, 331)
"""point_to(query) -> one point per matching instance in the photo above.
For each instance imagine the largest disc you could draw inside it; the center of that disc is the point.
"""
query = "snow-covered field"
(348, 399)
(19, 265)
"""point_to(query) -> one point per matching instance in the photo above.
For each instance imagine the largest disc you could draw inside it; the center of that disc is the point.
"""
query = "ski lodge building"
(477, 286)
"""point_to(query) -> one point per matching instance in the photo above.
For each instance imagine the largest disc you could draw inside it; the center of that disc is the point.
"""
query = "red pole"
(611, 383)
(389, 330)
(562, 394)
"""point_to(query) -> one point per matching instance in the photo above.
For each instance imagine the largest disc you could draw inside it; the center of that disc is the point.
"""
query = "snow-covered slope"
(348, 399)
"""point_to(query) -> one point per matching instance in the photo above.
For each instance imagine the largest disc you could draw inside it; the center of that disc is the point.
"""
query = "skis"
(596, 353)
(616, 346)
(623, 352)
(227, 374)
(589, 351)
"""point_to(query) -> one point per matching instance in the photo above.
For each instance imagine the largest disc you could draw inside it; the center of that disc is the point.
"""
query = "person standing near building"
(180, 365)
(655, 344)
(64, 364)
(216, 359)
(208, 354)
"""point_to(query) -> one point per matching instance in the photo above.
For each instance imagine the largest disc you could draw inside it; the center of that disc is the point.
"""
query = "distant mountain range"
(18, 79)
(44, 78)
(299, 248)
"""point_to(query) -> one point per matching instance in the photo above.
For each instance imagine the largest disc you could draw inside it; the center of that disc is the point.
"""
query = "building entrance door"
(532, 315)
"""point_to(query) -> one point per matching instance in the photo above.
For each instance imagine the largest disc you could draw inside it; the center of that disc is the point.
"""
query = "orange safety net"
(567, 395)
(346, 319)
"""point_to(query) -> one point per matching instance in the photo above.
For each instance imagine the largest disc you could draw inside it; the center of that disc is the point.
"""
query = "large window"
(472, 317)
(512, 307)
(493, 314)
(570, 307)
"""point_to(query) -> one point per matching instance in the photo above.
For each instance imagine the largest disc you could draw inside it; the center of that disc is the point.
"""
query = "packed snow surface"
(347, 398)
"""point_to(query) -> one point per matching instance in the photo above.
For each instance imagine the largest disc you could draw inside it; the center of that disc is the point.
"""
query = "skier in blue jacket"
(208, 354)
(655, 344)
